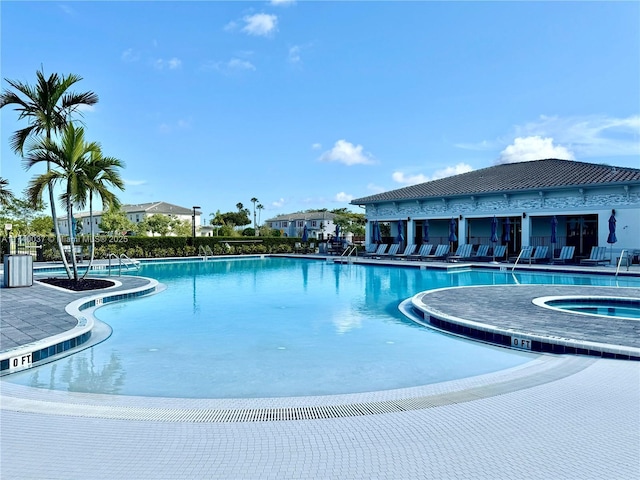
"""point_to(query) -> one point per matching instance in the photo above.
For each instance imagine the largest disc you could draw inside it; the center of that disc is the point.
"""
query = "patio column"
(411, 231)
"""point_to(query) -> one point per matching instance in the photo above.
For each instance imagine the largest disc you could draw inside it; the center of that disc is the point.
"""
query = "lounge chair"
(596, 257)
(441, 252)
(566, 254)
(408, 250)
(540, 254)
(483, 251)
(425, 249)
(393, 251)
(499, 252)
(370, 248)
(379, 251)
(525, 254)
(297, 247)
(463, 251)
(311, 248)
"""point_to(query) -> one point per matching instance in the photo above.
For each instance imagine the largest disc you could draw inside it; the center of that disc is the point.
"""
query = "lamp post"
(193, 225)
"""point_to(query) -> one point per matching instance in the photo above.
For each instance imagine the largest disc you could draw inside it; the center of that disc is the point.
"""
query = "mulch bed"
(80, 285)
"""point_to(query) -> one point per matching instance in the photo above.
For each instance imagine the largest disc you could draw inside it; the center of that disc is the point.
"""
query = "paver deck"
(555, 417)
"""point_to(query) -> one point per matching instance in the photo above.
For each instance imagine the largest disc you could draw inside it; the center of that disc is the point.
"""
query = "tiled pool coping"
(507, 315)
(35, 353)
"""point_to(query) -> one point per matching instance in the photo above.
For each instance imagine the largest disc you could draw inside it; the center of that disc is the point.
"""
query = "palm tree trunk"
(71, 240)
(56, 228)
(93, 238)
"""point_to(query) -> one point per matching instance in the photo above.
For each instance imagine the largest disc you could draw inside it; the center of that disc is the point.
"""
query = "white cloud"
(343, 197)
(294, 54)
(239, 64)
(400, 177)
(588, 136)
(230, 27)
(171, 64)
(533, 148)
(376, 188)
(347, 153)
(278, 203)
(129, 55)
(282, 3)
(260, 24)
(316, 146)
(450, 171)
(134, 183)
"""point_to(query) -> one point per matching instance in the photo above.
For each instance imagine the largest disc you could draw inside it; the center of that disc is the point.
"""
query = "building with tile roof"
(319, 224)
(524, 197)
(136, 213)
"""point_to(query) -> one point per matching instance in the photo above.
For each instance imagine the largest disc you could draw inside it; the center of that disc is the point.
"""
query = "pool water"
(278, 327)
(603, 307)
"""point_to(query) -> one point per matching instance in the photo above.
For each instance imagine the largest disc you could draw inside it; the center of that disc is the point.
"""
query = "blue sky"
(311, 104)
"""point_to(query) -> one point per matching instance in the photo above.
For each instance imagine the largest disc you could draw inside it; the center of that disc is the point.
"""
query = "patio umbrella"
(554, 235)
(494, 235)
(378, 233)
(305, 234)
(337, 231)
(506, 233)
(400, 237)
(425, 232)
(611, 239)
(452, 230)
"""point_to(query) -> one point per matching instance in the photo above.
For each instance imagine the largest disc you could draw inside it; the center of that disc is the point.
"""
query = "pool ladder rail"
(349, 253)
(624, 257)
(122, 260)
(205, 251)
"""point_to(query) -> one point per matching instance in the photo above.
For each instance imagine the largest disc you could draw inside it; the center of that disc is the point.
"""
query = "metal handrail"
(516, 262)
(120, 258)
(130, 262)
(350, 251)
(205, 251)
(626, 257)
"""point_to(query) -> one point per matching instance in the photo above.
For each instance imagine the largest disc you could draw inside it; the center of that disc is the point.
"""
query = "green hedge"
(158, 247)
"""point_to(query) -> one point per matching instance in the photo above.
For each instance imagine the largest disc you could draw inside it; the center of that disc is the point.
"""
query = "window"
(285, 224)
(314, 223)
(300, 223)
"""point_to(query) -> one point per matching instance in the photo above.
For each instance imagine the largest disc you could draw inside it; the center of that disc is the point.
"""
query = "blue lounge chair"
(463, 251)
(441, 252)
(409, 249)
(379, 251)
(596, 257)
(393, 251)
(566, 254)
(525, 254)
(483, 251)
(540, 254)
(425, 249)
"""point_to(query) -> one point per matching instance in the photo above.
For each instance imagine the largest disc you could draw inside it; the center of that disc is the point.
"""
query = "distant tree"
(5, 194)
(180, 228)
(115, 221)
(260, 207)
(217, 221)
(255, 225)
(41, 225)
(159, 224)
(239, 218)
(349, 221)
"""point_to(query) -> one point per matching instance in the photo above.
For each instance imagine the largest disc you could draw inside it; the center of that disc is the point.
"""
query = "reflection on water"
(280, 327)
(79, 374)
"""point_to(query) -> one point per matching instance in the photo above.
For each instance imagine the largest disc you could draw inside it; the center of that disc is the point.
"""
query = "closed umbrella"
(425, 232)
(337, 231)
(305, 234)
(400, 237)
(378, 233)
(494, 235)
(554, 235)
(506, 233)
(452, 230)
(611, 239)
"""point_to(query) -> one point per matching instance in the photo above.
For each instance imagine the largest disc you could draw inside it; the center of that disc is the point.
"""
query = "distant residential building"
(320, 225)
(135, 213)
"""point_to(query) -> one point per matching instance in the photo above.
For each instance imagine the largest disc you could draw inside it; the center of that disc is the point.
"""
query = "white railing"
(122, 260)
(624, 255)
(205, 251)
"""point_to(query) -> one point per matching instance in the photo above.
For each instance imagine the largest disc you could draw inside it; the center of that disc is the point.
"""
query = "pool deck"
(561, 416)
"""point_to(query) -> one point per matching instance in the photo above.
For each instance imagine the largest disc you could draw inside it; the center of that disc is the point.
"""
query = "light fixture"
(524, 215)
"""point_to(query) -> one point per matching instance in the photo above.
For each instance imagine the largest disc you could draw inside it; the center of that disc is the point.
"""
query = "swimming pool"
(603, 307)
(278, 327)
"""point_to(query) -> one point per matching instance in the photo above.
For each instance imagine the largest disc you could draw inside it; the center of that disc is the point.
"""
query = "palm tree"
(48, 107)
(99, 173)
(69, 158)
(5, 194)
(255, 225)
(259, 207)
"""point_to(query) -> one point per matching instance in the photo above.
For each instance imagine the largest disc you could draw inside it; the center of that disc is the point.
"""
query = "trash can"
(18, 270)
